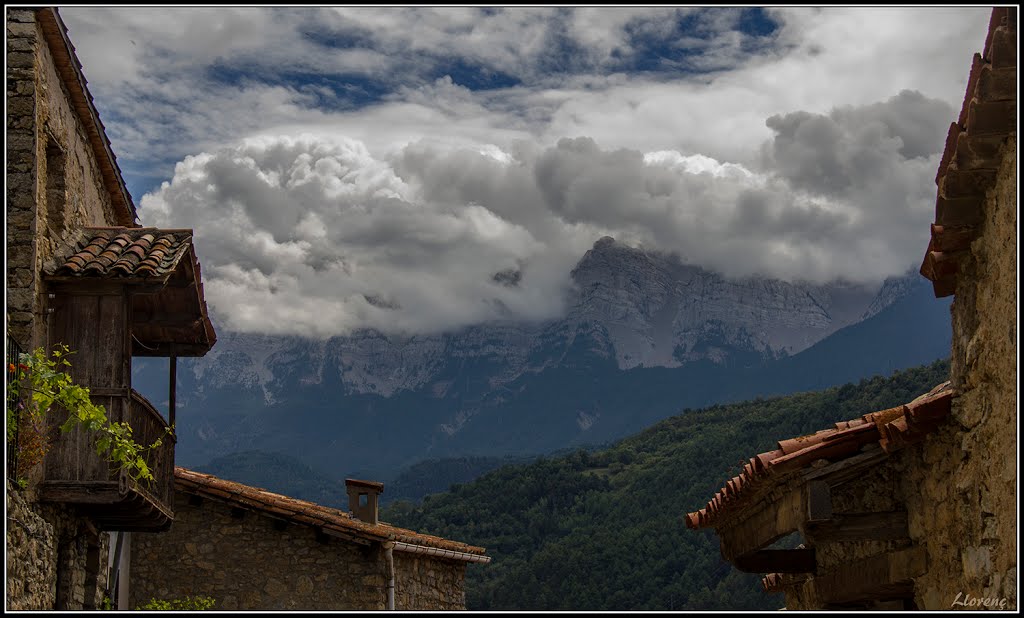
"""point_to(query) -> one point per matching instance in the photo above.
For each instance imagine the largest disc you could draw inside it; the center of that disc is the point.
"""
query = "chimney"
(362, 499)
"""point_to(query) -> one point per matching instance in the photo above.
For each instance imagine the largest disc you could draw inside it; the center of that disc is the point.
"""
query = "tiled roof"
(127, 252)
(69, 68)
(892, 429)
(308, 513)
(971, 157)
(171, 317)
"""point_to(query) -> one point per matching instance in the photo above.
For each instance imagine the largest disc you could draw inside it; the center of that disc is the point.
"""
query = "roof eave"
(70, 70)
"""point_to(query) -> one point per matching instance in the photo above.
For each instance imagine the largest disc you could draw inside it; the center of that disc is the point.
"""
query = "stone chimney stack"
(362, 499)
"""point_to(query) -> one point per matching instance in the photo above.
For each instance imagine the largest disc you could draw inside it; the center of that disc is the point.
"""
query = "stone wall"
(423, 583)
(31, 556)
(248, 561)
(54, 561)
(54, 184)
(961, 487)
(55, 558)
(877, 490)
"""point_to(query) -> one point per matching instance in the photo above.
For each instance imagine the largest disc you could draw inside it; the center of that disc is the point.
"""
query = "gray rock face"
(661, 312)
(893, 289)
(643, 308)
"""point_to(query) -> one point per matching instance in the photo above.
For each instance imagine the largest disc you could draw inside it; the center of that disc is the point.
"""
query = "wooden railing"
(76, 474)
(148, 426)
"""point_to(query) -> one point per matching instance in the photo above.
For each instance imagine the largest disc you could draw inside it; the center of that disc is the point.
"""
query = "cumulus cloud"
(850, 146)
(417, 169)
(316, 235)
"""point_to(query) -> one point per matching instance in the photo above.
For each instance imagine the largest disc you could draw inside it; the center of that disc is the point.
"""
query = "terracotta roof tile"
(892, 429)
(127, 252)
(967, 167)
(306, 513)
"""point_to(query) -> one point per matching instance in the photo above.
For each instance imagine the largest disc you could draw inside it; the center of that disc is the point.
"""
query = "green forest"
(604, 529)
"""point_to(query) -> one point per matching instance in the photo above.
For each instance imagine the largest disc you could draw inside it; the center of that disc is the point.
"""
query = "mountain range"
(644, 336)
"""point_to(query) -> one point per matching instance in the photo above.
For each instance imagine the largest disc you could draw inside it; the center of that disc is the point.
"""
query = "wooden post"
(173, 387)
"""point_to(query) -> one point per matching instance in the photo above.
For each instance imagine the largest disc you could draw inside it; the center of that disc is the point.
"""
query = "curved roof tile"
(307, 513)
(892, 428)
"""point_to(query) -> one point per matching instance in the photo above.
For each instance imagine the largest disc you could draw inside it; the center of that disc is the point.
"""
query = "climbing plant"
(39, 382)
(189, 603)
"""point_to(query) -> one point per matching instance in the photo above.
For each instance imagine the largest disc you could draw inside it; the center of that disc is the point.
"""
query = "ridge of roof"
(69, 68)
(307, 513)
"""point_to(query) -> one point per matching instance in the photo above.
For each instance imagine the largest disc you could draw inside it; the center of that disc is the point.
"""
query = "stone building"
(82, 272)
(251, 549)
(914, 507)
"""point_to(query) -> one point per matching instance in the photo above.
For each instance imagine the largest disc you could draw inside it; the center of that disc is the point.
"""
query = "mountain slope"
(604, 530)
(644, 335)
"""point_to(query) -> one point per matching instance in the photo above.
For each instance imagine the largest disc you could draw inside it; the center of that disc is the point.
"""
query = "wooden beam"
(769, 521)
(881, 577)
(849, 468)
(79, 492)
(173, 387)
(348, 537)
(778, 561)
(109, 391)
(881, 526)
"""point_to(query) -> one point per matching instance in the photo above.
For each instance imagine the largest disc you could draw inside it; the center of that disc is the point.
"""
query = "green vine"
(38, 382)
(189, 603)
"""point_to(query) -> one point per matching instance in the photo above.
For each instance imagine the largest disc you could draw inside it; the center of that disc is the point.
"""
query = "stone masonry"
(969, 467)
(56, 559)
(246, 560)
(429, 584)
(54, 186)
(53, 558)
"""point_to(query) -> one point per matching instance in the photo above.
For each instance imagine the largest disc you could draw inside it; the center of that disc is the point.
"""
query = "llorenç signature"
(966, 600)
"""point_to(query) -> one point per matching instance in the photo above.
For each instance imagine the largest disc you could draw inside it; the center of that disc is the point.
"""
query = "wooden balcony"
(75, 474)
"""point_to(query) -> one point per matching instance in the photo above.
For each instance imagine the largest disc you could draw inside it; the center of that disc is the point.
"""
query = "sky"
(419, 169)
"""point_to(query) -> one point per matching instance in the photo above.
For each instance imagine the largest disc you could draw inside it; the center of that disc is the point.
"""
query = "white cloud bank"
(806, 154)
(316, 235)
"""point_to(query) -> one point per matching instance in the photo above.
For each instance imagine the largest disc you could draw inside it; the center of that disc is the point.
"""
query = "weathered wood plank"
(881, 526)
(79, 492)
(848, 468)
(769, 521)
(106, 348)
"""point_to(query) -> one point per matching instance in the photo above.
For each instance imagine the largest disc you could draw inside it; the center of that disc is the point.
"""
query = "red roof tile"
(171, 318)
(127, 252)
(967, 168)
(308, 513)
(892, 428)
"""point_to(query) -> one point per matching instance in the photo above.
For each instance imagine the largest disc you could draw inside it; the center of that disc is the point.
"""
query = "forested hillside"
(604, 530)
